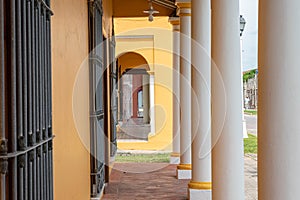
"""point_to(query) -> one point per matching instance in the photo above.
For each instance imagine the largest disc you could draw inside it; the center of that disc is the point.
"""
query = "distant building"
(250, 90)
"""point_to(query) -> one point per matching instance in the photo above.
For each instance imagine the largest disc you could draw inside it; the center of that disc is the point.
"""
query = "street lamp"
(242, 28)
(151, 11)
(242, 24)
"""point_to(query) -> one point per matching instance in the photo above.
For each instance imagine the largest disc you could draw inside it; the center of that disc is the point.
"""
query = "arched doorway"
(134, 101)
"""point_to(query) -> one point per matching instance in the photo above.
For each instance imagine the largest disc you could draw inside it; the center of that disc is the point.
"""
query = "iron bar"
(20, 178)
(34, 101)
(3, 141)
(30, 176)
(25, 96)
(37, 65)
(50, 171)
(19, 58)
(2, 74)
(41, 102)
(45, 127)
(13, 102)
(34, 170)
(49, 69)
(29, 68)
(38, 100)
(42, 71)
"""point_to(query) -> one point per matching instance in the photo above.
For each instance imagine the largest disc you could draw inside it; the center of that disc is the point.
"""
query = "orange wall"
(71, 97)
(70, 48)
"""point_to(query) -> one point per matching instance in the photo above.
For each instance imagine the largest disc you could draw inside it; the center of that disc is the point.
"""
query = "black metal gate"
(25, 100)
(97, 98)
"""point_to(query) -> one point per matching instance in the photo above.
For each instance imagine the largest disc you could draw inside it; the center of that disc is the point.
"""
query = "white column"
(175, 156)
(152, 104)
(146, 99)
(279, 100)
(227, 154)
(184, 168)
(200, 185)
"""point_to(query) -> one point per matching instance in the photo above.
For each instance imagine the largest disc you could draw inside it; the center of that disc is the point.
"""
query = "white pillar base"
(184, 174)
(245, 134)
(195, 194)
(174, 160)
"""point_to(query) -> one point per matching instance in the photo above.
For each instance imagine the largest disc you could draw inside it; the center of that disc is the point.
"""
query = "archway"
(134, 101)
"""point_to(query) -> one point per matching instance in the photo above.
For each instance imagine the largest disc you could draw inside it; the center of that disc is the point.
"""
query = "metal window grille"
(113, 68)
(97, 103)
(25, 100)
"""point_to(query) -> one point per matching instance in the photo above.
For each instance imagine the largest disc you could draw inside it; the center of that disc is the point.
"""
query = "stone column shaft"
(184, 168)
(279, 100)
(175, 21)
(200, 185)
(152, 103)
(227, 135)
(146, 117)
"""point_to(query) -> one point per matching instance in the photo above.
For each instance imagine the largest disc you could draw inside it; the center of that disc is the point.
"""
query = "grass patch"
(250, 112)
(143, 158)
(250, 144)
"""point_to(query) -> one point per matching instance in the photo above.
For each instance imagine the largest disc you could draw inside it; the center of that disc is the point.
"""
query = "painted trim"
(175, 154)
(185, 14)
(184, 166)
(200, 185)
(184, 4)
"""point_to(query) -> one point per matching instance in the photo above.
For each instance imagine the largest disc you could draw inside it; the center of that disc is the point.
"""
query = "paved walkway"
(251, 123)
(153, 181)
(154, 185)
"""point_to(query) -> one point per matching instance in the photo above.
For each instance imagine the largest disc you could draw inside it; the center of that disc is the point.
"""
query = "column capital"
(183, 3)
(151, 73)
(184, 7)
(174, 20)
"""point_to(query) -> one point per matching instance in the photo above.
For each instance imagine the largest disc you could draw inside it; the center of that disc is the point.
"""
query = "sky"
(249, 10)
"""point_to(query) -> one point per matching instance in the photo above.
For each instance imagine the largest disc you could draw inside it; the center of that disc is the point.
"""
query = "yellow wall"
(152, 40)
(132, 60)
(70, 48)
(71, 97)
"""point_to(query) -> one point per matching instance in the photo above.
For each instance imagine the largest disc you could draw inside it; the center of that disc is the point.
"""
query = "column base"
(195, 194)
(184, 171)
(200, 190)
(245, 134)
(175, 158)
(151, 135)
(184, 174)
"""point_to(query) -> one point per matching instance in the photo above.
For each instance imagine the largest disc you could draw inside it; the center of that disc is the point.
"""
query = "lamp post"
(242, 24)
(242, 28)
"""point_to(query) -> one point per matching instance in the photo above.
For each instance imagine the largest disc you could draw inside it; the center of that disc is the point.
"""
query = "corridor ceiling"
(135, 8)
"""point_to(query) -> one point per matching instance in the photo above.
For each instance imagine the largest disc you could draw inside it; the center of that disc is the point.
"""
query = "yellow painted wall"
(134, 34)
(70, 48)
(71, 96)
(132, 60)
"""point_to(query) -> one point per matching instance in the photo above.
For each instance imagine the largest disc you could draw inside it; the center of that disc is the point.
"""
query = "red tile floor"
(145, 181)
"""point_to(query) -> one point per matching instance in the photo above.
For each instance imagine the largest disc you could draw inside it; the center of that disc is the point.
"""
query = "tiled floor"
(153, 181)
